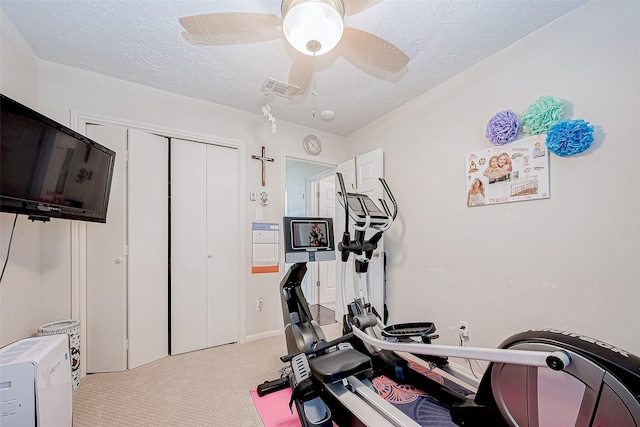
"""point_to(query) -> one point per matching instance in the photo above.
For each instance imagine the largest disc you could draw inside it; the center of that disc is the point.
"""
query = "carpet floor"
(209, 387)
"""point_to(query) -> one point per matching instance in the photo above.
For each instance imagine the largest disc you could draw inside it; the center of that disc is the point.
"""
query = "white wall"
(64, 88)
(59, 90)
(32, 291)
(19, 65)
(569, 262)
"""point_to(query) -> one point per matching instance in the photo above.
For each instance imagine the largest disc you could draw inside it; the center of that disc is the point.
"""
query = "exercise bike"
(537, 378)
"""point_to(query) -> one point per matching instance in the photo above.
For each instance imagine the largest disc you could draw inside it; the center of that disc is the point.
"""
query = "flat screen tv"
(49, 171)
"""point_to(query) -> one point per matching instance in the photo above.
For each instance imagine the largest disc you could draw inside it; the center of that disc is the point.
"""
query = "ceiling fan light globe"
(313, 25)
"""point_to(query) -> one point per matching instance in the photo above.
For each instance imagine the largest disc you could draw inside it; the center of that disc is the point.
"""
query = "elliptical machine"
(538, 378)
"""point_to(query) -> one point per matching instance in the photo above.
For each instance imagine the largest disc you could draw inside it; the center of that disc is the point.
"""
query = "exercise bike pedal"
(272, 386)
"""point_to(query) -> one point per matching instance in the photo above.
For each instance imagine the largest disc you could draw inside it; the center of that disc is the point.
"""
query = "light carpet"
(203, 388)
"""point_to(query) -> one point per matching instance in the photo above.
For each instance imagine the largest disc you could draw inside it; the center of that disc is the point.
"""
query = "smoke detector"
(327, 115)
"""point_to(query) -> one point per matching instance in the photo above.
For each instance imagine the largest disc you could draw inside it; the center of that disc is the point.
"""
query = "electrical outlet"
(464, 330)
(260, 303)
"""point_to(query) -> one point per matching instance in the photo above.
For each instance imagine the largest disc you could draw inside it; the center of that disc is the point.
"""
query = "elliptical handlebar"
(393, 200)
(366, 215)
(390, 216)
(345, 200)
(364, 221)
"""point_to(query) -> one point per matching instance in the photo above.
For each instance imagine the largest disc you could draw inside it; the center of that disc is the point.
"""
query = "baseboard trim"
(262, 335)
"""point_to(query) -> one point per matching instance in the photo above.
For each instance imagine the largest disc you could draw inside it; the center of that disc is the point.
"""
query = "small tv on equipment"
(308, 239)
(49, 171)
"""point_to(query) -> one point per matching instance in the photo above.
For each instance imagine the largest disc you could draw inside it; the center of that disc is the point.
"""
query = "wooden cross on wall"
(263, 159)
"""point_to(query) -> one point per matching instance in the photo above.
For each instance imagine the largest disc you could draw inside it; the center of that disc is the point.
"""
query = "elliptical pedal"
(305, 393)
(268, 387)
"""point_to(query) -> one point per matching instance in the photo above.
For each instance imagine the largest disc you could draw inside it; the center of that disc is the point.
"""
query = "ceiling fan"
(312, 27)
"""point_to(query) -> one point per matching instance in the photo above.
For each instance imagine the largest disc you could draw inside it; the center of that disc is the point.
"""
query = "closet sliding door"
(127, 279)
(222, 244)
(148, 236)
(106, 291)
(204, 245)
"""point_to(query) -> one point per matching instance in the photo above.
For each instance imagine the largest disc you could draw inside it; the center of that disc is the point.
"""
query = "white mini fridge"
(35, 383)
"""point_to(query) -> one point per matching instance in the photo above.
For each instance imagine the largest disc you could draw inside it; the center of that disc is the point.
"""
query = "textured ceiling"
(141, 42)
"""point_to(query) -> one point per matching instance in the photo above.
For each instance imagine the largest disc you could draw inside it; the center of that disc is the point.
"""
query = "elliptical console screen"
(309, 234)
(308, 239)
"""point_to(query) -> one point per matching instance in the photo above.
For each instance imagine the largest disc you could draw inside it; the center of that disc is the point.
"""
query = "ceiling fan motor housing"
(313, 27)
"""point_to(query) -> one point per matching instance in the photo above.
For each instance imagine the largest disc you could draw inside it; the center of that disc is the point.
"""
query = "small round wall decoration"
(569, 137)
(545, 112)
(503, 128)
(312, 145)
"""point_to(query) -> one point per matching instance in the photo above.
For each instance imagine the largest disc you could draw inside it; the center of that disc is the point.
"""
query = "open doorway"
(310, 191)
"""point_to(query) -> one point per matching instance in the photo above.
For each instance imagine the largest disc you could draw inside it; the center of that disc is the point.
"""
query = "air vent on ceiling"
(279, 88)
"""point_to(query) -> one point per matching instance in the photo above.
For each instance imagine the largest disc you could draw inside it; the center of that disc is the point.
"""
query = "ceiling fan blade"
(364, 46)
(230, 28)
(301, 72)
(351, 7)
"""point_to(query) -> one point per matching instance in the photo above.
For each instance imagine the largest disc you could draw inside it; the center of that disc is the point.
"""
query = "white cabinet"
(204, 248)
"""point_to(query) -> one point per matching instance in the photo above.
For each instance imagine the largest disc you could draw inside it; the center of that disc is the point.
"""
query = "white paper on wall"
(508, 173)
(266, 248)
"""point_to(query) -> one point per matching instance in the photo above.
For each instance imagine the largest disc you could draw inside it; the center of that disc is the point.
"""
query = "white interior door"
(106, 293)
(188, 246)
(296, 206)
(204, 245)
(296, 199)
(148, 237)
(222, 245)
(327, 270)
(360, 175)
(301, 183)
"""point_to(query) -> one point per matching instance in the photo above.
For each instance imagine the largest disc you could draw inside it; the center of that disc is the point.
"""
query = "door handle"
(210, 255)
(118, 260)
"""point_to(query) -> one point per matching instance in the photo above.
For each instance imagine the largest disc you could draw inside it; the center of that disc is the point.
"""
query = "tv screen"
(308, 239)
(49, 171)
(305, 234)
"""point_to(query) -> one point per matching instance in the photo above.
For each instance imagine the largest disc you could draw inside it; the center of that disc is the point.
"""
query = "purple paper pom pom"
(503, 128)
(569, 137)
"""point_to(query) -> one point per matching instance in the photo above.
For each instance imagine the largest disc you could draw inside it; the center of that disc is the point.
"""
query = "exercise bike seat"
(339, 364)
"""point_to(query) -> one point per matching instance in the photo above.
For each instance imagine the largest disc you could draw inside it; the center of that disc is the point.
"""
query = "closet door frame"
(79, 121)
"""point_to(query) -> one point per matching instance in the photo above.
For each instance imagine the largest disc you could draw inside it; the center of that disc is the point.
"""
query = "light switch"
(259, 214)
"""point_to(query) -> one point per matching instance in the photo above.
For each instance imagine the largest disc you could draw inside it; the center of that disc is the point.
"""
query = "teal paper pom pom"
(545, 112)
(569, 137)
